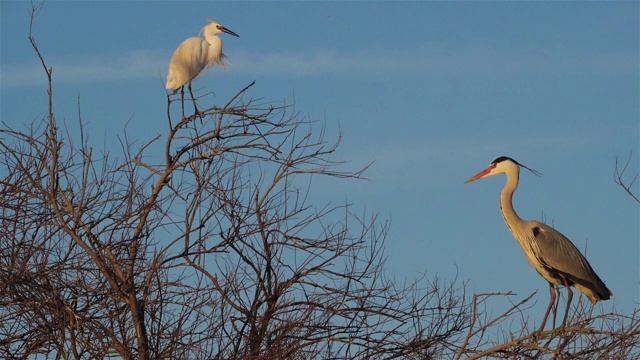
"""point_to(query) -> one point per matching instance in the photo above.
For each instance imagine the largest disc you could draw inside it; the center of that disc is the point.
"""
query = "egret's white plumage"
(552, 254)
(191, 57)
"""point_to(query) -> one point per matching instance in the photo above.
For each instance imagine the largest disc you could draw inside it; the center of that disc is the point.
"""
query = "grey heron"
(553, 256)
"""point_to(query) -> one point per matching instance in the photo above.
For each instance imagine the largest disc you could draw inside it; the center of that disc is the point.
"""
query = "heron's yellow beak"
(479, 175)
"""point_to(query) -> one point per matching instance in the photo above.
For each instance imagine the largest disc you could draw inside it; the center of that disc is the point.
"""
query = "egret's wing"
(187, 62)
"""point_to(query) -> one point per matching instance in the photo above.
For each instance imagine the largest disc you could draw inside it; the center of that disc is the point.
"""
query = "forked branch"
(619, 175)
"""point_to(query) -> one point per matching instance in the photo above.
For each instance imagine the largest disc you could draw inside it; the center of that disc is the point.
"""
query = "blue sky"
(431, 92)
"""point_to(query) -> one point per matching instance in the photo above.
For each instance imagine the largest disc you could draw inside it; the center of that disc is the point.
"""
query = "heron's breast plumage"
(533, 254)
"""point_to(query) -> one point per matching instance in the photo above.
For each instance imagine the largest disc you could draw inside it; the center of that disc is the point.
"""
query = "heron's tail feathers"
(595, 292)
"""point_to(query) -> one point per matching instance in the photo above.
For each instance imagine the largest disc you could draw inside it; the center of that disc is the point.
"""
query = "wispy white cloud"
(89, 69)
(428, 60)
(395, 163)
(436, 60)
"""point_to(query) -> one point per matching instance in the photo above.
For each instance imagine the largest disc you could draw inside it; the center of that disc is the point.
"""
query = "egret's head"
(213, 28)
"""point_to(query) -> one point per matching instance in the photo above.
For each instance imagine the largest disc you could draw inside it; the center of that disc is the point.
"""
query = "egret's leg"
(195, 108)
(182, 92)
(569, 298)
(552, 292)
(169, 108)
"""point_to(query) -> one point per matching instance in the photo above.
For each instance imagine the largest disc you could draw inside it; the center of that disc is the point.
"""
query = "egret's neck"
(213, 40)
(506, 205)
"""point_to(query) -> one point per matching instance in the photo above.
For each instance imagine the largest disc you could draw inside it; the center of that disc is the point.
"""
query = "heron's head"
(213, 28)
(501, 165)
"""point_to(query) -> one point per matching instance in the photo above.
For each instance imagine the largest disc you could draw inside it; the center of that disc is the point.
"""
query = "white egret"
(553, 256)
(191, 57)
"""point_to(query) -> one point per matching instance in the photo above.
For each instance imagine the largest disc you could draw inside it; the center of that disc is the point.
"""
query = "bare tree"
(586, 336)
(213, 250)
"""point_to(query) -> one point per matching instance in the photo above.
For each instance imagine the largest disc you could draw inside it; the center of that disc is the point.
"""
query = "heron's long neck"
(506, 205)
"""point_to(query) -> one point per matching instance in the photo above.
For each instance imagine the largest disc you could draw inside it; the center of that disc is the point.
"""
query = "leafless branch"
(214, 249)
(619, 175)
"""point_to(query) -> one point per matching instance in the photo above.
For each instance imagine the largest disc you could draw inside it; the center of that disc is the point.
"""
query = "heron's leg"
(569, 298)
(552, 292)
(195, 108)
(555, 309)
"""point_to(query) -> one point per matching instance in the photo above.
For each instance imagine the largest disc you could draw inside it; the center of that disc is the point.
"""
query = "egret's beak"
(479, 175)
(225, 30)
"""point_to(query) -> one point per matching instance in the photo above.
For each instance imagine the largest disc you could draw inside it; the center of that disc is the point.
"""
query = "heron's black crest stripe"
(505, 158)
(536, 231)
